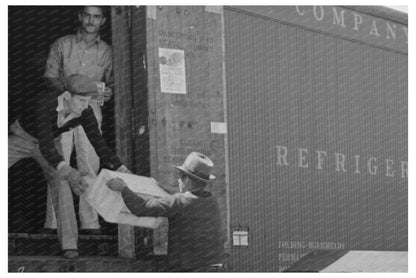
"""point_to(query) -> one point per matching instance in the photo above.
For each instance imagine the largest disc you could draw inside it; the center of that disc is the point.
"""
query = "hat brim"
(180, 168)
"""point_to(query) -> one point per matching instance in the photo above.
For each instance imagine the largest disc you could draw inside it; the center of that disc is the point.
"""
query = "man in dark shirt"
(37, 133)
(195, 239)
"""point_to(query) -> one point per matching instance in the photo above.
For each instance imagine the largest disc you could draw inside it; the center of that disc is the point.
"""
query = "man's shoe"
(95, 232)
(70, 254)
(48, 231)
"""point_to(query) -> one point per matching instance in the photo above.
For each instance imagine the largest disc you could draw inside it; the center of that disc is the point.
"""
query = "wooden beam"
(121, 21)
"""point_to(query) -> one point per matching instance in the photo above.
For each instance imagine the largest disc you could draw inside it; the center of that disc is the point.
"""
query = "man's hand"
(75, 180)
(116, 184)
(107, 93)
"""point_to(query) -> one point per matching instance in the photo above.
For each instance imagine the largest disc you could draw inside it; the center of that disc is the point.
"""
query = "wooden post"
(131, 108)
(123, 100)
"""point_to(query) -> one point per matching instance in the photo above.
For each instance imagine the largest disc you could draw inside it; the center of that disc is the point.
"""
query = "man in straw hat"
(36, 134)
(195, 239)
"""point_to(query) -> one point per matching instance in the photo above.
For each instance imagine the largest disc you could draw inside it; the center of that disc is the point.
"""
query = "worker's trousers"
(88, 163)
(23, 145)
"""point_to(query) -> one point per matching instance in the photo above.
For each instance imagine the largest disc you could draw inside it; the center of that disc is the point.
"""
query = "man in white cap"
(195, 239)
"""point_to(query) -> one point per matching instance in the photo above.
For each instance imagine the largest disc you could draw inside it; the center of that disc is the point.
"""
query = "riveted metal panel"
(317, 96)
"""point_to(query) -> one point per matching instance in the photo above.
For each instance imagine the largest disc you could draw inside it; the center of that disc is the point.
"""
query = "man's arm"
(108, 74)
(53, 68)
(164, 207)
(44, 115)
(108, 77)
(90, 125)
(54, 62)
(46, 98)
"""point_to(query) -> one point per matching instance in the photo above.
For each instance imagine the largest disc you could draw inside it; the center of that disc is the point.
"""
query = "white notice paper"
(110, 205)
(172, 71)
(220, 128)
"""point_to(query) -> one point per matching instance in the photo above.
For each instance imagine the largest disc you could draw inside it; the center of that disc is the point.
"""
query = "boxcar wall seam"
(302, 159)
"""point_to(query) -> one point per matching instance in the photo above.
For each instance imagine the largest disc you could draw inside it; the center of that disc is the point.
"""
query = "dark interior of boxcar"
(31, 31)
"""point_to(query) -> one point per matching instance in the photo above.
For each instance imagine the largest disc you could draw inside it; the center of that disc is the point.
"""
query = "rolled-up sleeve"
(54, 61)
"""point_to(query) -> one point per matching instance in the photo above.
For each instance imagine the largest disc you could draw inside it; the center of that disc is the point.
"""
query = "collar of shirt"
(62, 119)
(79, 38)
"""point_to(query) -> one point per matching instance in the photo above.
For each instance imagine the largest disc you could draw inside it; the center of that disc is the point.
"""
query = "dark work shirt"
(195, 238)
(39, 119)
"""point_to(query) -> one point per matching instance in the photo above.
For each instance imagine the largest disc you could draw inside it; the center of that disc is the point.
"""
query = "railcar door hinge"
(144, 61)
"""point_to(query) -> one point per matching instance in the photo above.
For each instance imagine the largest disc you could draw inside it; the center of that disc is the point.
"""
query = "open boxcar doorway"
(32, 29)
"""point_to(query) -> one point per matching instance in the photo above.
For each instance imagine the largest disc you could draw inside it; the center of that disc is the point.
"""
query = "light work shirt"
(72, 55)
